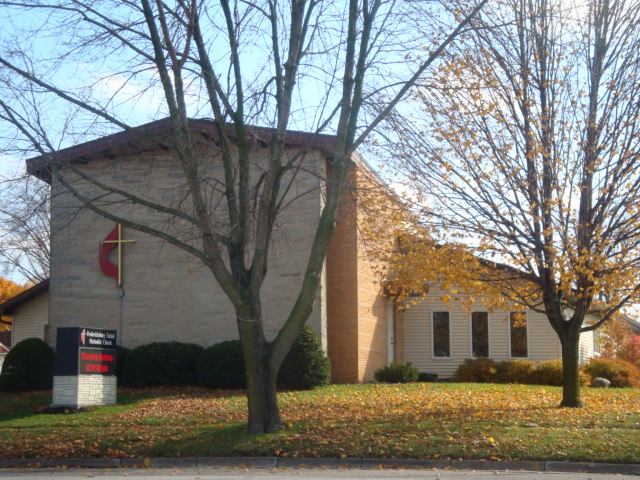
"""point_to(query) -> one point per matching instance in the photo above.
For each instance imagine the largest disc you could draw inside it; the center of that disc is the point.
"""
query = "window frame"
(433, 337)
(526, 327)
(471, 355)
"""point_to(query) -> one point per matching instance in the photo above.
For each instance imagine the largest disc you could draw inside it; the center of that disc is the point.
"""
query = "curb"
(354, 462)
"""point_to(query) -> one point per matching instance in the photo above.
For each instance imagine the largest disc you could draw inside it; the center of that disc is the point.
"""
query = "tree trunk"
(264, 414)
(570, 342)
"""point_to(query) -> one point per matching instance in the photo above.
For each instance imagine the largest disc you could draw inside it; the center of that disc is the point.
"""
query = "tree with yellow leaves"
(529, 154)
(8, 289)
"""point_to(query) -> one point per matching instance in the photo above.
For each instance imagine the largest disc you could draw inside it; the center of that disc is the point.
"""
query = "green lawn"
(422, 420)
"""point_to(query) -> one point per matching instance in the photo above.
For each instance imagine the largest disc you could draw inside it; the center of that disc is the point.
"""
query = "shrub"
(162, 364)
(121, 357)
(476, 370)
(549, 372)
(620, 372)
(28, 366)
(514, 371)
(427, 377)
(619, 342)
(306, 365)
(397, 373)
(222, 366)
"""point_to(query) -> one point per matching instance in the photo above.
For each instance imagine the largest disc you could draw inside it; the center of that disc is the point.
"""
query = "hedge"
(222, 366)
(162, 364)
(397, 373)
(28, 366)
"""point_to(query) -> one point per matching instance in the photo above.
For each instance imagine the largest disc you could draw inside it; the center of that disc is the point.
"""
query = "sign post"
(84, 372)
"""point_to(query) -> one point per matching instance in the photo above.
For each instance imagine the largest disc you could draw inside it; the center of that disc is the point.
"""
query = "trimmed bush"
(481, 370)
(306, 365)
(28, 366)
(397, 373)
(162, 364)
(427, 377)
(549, 372)
(514, 371)
(620, 372)
(121, 357)
(222, 366)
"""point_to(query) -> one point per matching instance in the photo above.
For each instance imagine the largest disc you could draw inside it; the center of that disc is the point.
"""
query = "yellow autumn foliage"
(407, 261)
(8, 289)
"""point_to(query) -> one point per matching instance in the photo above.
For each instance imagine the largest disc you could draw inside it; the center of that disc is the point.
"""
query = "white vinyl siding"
(586, 347)
(543, 341)
(29, 320)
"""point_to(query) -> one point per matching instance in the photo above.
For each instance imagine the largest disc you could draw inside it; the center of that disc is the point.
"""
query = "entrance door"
(390, 338)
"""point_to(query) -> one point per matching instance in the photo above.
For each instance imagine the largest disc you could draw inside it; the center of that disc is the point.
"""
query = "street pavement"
(243, 473)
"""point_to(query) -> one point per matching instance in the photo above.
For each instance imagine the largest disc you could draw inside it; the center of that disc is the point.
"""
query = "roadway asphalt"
(286, 473)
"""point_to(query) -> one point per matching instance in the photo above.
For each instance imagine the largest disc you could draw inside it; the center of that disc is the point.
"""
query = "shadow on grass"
(228, 440)
(21, 405)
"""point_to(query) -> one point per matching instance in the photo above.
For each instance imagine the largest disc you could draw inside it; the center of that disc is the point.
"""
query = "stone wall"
(84, 390)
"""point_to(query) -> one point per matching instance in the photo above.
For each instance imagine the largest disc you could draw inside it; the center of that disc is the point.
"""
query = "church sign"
(85, 367)
(100, 362)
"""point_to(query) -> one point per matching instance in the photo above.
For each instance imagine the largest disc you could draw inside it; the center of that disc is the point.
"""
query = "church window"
(518, 334)
(479, 334)
(441, 335)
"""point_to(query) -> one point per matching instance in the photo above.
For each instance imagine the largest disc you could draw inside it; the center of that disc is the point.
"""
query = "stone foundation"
(84, 390)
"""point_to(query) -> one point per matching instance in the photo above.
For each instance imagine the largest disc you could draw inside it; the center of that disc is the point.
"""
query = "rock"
(600, 382)
(531, 425)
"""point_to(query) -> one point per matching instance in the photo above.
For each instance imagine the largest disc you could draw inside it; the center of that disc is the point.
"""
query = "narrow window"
(597, 341)
(441, 344)
(480, 334)
(518, 325)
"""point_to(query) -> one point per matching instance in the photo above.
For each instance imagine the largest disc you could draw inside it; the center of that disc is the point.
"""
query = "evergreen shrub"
(514, 371)
(162, 364)
(427, 377)
(222, 366)
(397, 373)
(482, 370)
(121, 357)
(619, 372)
(28, 366)
(306, 366)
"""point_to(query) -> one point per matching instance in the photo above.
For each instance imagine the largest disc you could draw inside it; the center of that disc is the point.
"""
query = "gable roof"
(10, 305)
(156, 136)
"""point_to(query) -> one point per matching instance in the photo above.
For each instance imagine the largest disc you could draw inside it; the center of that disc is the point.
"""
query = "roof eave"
(10, 305)
(107, 146)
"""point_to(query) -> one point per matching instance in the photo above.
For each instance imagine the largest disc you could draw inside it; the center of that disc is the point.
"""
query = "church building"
(165, 294)
(112, 277)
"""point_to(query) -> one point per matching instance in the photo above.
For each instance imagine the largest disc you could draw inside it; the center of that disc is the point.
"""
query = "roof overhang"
(10, 305)
(158, 135)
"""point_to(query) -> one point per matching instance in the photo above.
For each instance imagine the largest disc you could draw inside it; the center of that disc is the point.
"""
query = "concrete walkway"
(325, 463)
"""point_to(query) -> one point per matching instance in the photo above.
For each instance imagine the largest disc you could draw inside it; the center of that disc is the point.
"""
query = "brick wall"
(342, 290)
(357, 312)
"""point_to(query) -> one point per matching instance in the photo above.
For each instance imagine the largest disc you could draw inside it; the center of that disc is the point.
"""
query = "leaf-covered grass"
(393, 421)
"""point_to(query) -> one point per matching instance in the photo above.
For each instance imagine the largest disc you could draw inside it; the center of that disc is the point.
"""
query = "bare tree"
(532, 154)
(24, 228)
(239, 63)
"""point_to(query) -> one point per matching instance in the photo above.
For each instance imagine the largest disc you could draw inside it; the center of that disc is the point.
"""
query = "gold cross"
(119, 243)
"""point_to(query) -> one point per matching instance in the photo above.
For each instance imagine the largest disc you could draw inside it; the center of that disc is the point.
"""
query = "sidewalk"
(355, 463)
